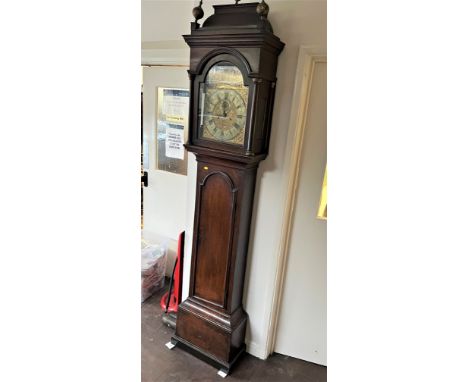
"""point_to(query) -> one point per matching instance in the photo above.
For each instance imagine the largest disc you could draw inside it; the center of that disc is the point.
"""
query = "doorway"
(164, 199)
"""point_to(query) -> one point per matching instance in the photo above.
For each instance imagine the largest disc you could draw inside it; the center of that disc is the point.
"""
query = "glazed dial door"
(223, 105)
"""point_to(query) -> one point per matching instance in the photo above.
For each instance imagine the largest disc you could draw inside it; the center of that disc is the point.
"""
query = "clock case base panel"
(218, 340)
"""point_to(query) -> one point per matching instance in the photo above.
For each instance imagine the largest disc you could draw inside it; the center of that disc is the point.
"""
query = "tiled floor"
(159, 364)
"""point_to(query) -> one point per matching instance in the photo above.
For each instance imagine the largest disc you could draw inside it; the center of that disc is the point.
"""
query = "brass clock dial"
(225, 115)
(223, 109)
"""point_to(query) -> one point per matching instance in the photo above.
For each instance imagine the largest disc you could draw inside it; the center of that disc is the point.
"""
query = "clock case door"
(197, 132)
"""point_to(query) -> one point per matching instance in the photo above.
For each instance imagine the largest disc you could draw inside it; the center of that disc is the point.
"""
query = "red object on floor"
(176, 293)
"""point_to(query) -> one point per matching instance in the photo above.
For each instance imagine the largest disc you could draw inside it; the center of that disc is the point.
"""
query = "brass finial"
(197, 12)
(263, 9)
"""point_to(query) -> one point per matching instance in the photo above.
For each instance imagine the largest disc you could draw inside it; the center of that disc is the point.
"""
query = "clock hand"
(225, 107)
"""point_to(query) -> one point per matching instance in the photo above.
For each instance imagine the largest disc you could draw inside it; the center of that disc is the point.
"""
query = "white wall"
(165, 20)
(297, 23)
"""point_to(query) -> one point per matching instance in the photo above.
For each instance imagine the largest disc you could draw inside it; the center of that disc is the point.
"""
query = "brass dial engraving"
(225, 115)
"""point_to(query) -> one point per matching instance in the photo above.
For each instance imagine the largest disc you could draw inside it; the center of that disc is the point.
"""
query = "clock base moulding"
(203, 329)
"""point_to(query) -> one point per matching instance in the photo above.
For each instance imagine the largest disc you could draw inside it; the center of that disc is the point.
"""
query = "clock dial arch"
(227, 54)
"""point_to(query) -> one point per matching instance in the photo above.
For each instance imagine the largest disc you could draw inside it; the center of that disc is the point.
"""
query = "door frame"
(157, 54)
(308, 58)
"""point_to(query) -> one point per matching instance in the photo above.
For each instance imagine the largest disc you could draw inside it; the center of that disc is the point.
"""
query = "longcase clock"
(233, 61)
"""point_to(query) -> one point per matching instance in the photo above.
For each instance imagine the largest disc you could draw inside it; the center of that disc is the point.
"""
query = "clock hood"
(226, 16)
(241, 36)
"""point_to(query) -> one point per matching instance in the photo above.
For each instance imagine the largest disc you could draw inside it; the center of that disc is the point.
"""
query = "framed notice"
(172, 130)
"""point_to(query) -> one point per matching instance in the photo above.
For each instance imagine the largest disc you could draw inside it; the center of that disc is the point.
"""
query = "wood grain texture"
(217, 203)
(213, 319)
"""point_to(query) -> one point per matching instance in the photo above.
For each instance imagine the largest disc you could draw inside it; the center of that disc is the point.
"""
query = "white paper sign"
(175, 143)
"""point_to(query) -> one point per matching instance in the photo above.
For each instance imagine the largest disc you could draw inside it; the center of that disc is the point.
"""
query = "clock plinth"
(217, 338)
(233, 60)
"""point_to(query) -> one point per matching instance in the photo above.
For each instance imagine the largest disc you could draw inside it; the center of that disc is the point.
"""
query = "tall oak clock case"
(233, 61)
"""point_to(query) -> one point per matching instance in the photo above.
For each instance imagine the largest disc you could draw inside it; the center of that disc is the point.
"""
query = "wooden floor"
(159, 364)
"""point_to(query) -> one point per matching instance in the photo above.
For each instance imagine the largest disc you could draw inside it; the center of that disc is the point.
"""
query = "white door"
(302, 329)
(164, 200)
